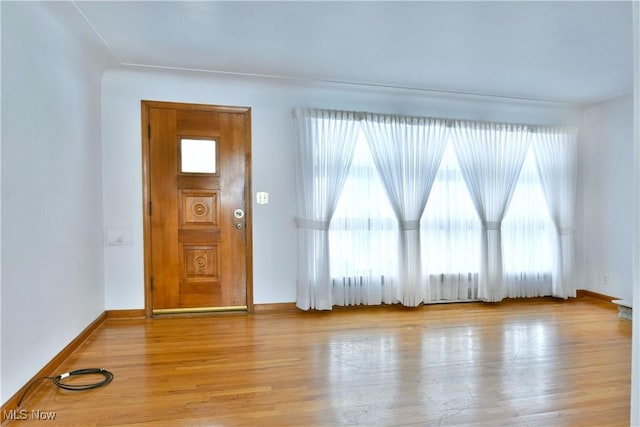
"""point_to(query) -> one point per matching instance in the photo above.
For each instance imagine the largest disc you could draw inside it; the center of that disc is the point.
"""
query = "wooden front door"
(197, 207)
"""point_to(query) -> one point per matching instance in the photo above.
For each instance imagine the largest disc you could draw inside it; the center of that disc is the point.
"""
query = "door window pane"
(198, 155)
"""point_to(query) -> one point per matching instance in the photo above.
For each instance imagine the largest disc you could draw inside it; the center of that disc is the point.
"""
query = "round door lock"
(239, 213)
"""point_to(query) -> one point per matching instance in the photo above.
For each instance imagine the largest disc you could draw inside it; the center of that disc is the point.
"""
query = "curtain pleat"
(556, 154)
(490, 156)
(407, 153)
(325, 141)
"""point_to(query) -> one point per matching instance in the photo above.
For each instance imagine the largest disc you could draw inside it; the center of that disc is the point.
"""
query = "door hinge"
(150, 208)
(149, 131)
(151, 283)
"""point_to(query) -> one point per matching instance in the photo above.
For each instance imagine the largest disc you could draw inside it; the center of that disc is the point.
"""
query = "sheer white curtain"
(451, 236)
(400, 209)
(364, 227)
(556, 154)
(407, 153)
(528, 237)
(324, 146)
(491, 156)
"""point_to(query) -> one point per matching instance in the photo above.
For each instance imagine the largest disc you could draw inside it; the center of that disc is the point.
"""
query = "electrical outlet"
(605, 280)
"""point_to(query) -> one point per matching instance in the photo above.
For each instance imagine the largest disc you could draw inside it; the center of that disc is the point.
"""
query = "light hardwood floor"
(540, 362)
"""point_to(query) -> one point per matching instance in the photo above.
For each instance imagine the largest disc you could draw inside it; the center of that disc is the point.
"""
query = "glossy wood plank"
(540, 362)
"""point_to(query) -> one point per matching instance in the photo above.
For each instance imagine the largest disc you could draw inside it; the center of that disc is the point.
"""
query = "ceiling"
(576, 51)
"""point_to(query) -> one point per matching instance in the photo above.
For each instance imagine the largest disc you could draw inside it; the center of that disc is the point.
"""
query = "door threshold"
(196, 310)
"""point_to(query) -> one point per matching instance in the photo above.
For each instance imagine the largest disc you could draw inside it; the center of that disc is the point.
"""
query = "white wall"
(608, 189)
(52, 263)
(272, 144)
(607, 197)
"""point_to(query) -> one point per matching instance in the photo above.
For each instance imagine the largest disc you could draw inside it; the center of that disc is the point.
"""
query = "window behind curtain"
(527, 237)
(450, 236)
(363, 237)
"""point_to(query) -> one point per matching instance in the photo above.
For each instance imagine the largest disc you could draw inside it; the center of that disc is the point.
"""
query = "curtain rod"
(360, 116)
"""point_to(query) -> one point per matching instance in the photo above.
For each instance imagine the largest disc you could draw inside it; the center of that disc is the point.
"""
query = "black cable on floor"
(58, 380)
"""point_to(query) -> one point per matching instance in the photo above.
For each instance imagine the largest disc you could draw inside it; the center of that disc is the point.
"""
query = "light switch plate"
(262, 198)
